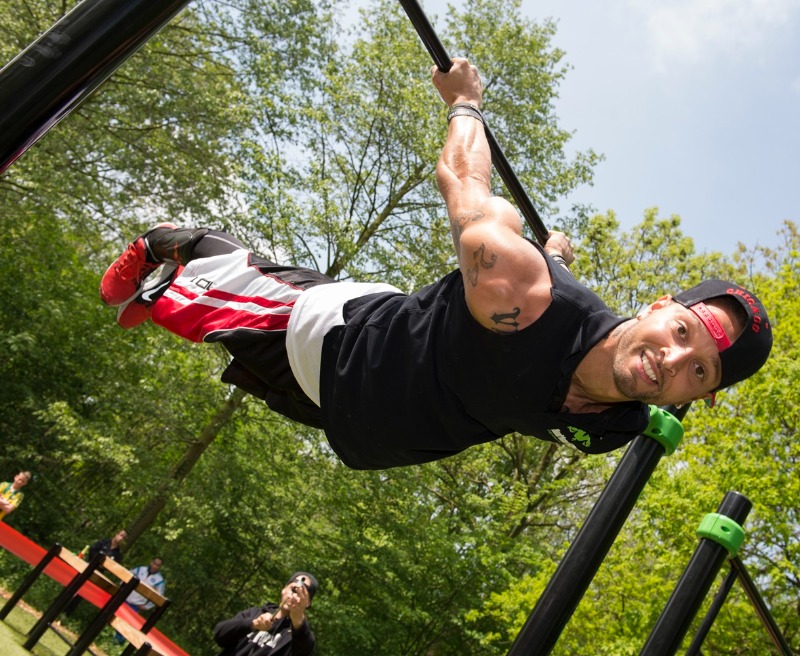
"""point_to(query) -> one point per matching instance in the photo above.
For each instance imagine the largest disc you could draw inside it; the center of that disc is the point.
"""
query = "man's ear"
(662, 302)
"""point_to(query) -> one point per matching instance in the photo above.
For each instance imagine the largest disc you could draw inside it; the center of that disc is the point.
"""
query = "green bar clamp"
(664, 428)
(722, 530)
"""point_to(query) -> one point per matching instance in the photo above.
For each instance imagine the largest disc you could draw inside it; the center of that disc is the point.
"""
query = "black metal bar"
(671, 627)
(102, 618)
(65, 639)
(760, 607)
(586, 553)
(443, 62)
(29, 580)
(711, 615)
(53, 75)
(150, 622)
(49, 616)
(129, 650)
(155, 616)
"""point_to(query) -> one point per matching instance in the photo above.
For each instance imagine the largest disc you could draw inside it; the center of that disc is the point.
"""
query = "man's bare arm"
(505, 277)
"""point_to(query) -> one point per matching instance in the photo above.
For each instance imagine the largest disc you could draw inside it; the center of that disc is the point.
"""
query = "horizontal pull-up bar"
(59, 70)
(443, 62)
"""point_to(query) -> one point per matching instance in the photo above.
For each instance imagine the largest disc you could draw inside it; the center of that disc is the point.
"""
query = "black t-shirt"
(414, 378)
(237, 637)
(104, 547)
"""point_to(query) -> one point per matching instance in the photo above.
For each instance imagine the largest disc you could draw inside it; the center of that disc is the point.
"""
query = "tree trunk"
(184, 466)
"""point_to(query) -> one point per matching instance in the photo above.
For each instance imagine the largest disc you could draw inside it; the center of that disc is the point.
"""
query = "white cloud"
(697, 32)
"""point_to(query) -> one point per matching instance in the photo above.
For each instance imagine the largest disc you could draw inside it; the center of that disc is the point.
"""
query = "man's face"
(668, 356)
(120, 537)
(155, 565)
(21, 480)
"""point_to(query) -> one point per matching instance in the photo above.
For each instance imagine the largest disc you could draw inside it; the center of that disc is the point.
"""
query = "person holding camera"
(272, 629)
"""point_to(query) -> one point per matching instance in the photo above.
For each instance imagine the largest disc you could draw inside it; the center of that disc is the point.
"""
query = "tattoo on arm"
(479, 261)
(457, 223)
(506, 320)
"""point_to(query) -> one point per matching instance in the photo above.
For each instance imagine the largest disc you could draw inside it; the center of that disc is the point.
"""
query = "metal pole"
(760, 607)
(442, 60)
(29, 580)
(57, 72)
(102, 618)
(671, 627)
(61, 601)
(586, 553)
(711, 615)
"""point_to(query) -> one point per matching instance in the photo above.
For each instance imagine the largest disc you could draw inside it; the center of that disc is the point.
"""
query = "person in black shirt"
(272, 629)
(110, 547)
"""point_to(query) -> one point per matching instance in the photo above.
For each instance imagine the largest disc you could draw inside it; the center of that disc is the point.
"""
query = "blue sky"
(694, 103)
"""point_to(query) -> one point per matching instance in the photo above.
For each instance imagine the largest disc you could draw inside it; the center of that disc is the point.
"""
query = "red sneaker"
(138, 309)
(122, 279)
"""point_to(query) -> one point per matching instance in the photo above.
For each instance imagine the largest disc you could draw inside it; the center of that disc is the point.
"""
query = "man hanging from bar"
(510, 341)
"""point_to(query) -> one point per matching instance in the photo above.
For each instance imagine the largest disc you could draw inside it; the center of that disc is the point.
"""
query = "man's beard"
(625, 379)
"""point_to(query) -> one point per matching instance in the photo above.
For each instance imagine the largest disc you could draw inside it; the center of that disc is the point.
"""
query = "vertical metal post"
(53, 75)
(711, 615)
(760, 607)
(150, 622)
(29, 580)
(586, 553)
(671, 627)
(60, 602)
(102, 618)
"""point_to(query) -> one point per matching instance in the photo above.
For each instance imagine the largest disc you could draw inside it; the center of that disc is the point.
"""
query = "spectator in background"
(149, 575)
(272, 629)
(109, 547)
(11, 495)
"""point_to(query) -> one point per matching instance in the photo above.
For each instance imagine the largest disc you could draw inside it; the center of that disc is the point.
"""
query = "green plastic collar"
(665, 429)
(722, 530)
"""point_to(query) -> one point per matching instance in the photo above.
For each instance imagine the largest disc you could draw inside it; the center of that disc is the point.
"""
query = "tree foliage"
(315, 141)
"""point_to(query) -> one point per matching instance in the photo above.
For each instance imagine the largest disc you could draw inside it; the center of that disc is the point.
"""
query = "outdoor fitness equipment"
(61, 68)
(721, 536)
(587, 552)
(444, 63)
(589, 548)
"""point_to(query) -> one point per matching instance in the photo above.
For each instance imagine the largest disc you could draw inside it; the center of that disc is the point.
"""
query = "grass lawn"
(12, 637)
(13, 632)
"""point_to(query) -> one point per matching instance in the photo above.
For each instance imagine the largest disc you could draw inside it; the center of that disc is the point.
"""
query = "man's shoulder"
(573, 291)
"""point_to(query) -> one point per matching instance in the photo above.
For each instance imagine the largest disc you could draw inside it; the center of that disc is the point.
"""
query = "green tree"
(317, 144)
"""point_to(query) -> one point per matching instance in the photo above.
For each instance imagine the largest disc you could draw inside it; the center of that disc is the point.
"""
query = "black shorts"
(244, 302)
